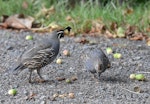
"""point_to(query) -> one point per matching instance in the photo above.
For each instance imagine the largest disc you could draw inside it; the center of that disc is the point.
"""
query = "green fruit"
(29, 37)
(117, 55)
(109, 50)
(12, 92)
(140, 77)
(68, 81)
(132, 76)
(120, 32)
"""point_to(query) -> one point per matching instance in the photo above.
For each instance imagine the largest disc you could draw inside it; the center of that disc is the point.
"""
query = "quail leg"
(99, 74)
(30, 76)
(41, 78)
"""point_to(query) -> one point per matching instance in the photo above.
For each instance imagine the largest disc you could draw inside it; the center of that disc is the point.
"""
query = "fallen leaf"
(130, 30)
(148, 41)
(148, 29)
(31, 96)
(55, 95)
(60, 78)
(113, 26)
(71, 95)
(73, 78)
(110, 35)
(18, 21)
(62, 95)
(82, 40)
(128, 11)
(137, 36)
(98, 26)
(52, 26)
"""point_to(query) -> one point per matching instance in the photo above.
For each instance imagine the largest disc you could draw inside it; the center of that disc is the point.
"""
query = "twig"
(129, 90)
(144, 72)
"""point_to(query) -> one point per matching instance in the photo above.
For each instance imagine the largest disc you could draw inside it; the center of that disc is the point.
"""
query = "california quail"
(96, 62)
(42, 54)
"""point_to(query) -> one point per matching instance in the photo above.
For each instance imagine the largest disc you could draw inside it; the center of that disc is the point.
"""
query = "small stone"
(55, 95)
(62, 95)
(60, 78)
(59, 61)
(71, 95)
(74, 78)
(43, 102)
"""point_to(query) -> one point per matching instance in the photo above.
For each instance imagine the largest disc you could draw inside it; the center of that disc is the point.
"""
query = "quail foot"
(41, 54)
(96, 62)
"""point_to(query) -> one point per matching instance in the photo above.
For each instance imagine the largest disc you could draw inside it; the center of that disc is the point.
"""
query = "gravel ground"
(115, 87)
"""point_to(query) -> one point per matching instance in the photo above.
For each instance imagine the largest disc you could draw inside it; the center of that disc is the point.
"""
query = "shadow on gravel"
(112, 79)
(46, 82)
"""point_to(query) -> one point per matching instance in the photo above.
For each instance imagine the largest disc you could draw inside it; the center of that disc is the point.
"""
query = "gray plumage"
(96, 62)
(42, 54)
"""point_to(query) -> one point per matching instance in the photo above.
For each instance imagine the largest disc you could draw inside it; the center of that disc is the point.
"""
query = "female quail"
(96, 62)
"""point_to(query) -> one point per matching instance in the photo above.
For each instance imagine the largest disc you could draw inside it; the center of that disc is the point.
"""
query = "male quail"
(42, 54)
(96, 62)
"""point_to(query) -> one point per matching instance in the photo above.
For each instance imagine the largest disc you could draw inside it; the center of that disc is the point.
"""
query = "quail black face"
(60, 34)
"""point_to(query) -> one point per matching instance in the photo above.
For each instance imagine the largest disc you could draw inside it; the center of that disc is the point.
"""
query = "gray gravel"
(115, 87)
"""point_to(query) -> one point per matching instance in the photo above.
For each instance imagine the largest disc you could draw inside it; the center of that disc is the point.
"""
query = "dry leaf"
(148, 29)
(128, 11)
(148, 41)
(52, 26)
(110, 35)
(60, 78)
(130, 30)
(98, 26)
(62, 95)
(113, 26)
(137, 36)
(55, 95)
(71, 95)
(31, 96)
(19, 21)
(73, 78)
(81, 40)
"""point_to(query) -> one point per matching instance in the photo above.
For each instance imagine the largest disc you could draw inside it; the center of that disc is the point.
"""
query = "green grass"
(83, 14)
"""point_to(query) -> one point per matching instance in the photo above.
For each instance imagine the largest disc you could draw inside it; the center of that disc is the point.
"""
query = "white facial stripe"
(60, 33)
